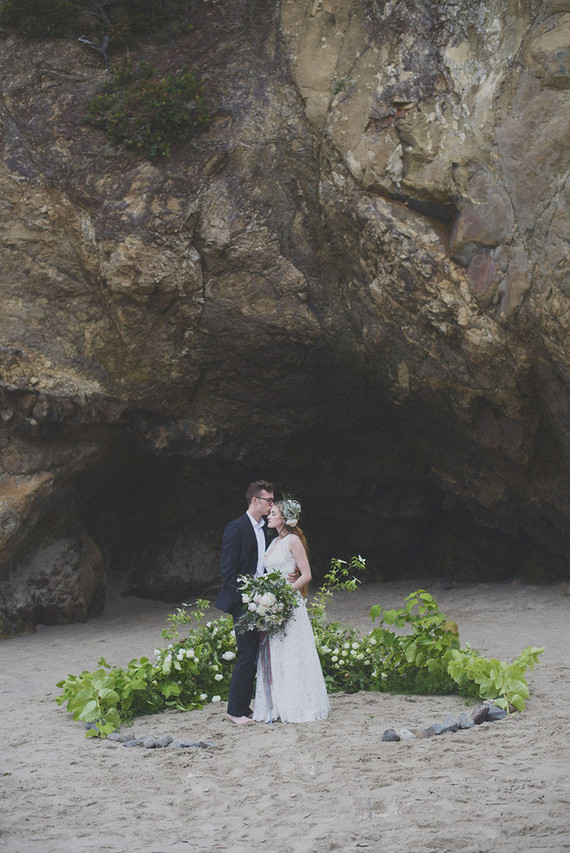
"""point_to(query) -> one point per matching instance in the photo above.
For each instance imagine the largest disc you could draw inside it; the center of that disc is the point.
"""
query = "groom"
(243, 546)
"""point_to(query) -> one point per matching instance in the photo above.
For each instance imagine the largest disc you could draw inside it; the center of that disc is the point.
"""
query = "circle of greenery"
(413, 649)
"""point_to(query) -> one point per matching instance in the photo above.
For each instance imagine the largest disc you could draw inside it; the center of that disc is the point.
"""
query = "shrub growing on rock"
(150, 112)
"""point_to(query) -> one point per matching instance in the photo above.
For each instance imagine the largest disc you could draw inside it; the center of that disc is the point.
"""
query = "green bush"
(149, 112)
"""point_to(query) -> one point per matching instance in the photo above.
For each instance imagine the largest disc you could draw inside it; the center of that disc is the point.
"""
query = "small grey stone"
(465, 722)
(434, 729)
(390, 736)
(186, 743)
(205, 744)
(134, 742)
(150, 743)
(174, 745)
(116, 736)
(496, 713)
(406, 734)
(450, 723)
(128, 734)
(164, 740)
(480, 714)
(419, 732)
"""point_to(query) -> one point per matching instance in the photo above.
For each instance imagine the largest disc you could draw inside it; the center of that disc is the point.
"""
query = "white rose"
(203, 697)
(340, 663)
(372, 641)
(190, 653)
(245, 597)
(216, 699)
(218, 677)
(157, 652)
(252, 607)
(268, 600)
(228, 655)
(334, 658)
(292, 523)
(360, 656)
(257, 597)
(355, 645)
(262, 610)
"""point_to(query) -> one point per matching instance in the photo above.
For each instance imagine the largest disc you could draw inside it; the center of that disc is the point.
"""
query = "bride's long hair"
(296, 531)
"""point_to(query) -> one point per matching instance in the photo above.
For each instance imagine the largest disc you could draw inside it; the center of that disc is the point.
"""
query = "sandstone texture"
(354, 283)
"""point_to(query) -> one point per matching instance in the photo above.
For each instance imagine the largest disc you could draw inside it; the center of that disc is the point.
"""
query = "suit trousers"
(243, 676)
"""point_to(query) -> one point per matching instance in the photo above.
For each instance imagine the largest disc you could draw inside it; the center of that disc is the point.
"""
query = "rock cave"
(353, 283)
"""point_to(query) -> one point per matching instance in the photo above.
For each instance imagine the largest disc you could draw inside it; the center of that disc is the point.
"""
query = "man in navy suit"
(243, 546)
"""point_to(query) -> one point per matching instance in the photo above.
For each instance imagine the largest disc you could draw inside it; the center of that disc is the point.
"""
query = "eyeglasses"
(261, 498)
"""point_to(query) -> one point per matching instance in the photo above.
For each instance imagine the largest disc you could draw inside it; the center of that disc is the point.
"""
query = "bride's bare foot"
(239, 721)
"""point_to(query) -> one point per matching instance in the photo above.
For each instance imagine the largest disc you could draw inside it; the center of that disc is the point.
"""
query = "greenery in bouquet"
(269, 602)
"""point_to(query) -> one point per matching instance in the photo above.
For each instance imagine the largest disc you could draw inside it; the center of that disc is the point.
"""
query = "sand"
(315, 787)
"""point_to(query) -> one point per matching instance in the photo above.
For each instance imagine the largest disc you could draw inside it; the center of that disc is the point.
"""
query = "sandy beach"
(309, 788)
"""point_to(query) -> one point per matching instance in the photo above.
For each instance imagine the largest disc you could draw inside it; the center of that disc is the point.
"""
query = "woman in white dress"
(290, 684)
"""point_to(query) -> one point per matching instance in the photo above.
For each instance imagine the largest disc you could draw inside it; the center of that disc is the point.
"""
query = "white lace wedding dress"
(290, 683)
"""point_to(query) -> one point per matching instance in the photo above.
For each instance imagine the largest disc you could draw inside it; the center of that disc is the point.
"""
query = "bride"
(290, 683)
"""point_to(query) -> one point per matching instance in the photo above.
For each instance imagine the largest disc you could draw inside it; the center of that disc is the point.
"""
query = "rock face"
(354, 283)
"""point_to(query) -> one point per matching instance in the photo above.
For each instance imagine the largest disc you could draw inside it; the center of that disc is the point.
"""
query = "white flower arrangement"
(270, 601)
(291, 512)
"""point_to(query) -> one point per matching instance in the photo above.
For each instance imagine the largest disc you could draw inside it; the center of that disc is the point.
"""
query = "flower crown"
(291, 512)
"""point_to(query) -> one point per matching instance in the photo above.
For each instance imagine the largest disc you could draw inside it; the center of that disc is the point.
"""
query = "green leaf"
(375, 612)
(90, 712)
(109, 695)
(517, 701)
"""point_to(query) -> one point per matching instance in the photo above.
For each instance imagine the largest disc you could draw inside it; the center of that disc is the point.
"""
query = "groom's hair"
(254, 489)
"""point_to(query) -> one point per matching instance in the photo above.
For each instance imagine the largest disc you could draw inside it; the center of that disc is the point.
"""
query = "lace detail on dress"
(293, 688)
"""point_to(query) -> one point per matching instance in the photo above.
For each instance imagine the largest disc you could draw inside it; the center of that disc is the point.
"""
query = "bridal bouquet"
(270, 601)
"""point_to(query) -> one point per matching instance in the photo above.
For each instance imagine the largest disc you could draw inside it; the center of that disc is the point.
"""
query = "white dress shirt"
(260, 536)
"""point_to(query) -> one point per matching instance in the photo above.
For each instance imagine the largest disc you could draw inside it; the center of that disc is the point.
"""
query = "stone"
(406, 734)
(164, 740)
(133, 742)
(451, 723)
(150, 743)
(495, 713)
(465, 722)
(390, 736)
(480, 714)
(434, 729)
(418, 732)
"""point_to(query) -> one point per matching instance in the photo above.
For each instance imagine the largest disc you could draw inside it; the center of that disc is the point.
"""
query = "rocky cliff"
(354, 283)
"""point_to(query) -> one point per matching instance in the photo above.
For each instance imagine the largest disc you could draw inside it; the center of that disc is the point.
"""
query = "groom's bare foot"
(239, 721)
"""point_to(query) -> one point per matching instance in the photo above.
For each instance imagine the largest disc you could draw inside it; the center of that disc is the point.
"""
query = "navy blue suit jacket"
(238, 557)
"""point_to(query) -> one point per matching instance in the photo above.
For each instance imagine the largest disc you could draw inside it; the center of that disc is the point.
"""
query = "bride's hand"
(292, 576)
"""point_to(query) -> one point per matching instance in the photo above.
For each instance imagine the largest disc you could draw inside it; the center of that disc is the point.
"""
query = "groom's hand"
(292, 576)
